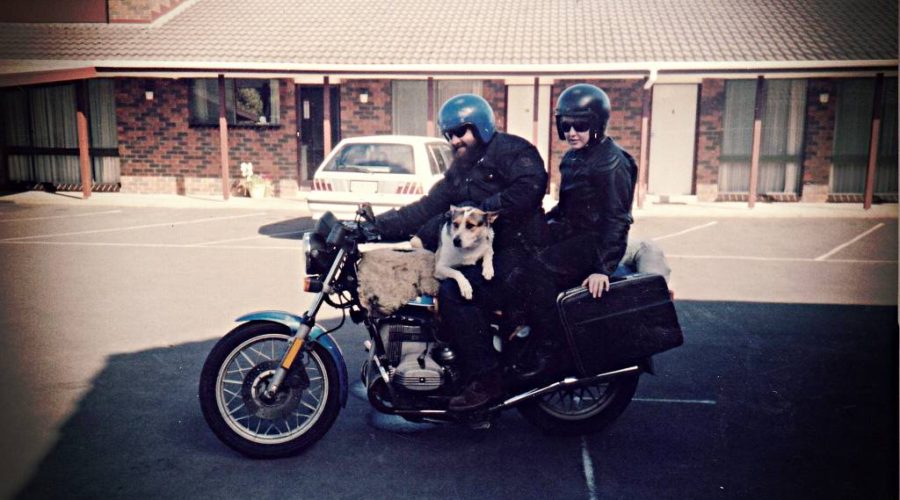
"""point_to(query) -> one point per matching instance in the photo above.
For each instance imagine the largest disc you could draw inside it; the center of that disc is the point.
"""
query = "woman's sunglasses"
(578, 125)
(456, 132)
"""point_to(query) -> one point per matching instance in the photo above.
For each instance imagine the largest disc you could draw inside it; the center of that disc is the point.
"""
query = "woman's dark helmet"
(583, 101)
(467, 109)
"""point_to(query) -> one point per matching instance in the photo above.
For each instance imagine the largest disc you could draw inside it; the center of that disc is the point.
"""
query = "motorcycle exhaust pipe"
(566, 383)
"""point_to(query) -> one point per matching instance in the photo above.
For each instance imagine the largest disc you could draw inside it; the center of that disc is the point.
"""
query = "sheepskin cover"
(391, 277)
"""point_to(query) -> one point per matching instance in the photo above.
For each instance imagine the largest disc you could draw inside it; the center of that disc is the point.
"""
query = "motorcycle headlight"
(317, 259)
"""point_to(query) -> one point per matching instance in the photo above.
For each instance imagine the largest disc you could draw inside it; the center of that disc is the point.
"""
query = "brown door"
(310, 120)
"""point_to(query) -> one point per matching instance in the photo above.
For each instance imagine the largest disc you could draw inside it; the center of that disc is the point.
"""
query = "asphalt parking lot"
(786, 386)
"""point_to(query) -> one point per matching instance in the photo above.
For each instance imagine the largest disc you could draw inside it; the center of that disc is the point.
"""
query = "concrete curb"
(297, 204)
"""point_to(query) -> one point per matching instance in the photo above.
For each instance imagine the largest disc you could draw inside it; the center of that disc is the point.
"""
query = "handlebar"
(365, 211)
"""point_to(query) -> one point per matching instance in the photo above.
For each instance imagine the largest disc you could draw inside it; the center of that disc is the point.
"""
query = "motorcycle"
(276, 383)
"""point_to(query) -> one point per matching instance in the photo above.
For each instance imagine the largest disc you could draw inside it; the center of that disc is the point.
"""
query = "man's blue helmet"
(467, 109)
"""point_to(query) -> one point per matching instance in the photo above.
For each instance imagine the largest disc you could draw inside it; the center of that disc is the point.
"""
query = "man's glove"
(369, 231)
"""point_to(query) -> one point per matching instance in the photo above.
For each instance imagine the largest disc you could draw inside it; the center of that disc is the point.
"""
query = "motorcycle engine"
(408, 354)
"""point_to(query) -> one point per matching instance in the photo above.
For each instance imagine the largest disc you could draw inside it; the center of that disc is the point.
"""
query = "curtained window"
(247, 102)
(782, 136)
(41, 133)
(852, 131)
(104, 133)
(410, 102)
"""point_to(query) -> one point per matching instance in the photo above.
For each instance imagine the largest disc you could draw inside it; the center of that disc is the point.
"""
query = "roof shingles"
(501, 32)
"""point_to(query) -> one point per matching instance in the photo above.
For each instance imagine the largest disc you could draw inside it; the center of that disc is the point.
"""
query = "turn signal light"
(312, 285)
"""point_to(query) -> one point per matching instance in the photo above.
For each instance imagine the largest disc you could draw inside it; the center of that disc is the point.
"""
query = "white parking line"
(62, 216)
(246, 238)
(131, 228)
(778, 259)
(588, 467)
(151, 245)
(845, 245)
(676, 401)
(688, 230)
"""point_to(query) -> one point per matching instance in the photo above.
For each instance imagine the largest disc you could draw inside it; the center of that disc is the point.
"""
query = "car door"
(440, 156)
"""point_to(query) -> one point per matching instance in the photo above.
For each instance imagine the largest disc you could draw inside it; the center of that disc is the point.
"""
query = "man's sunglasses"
(456, 132)
(578, 125)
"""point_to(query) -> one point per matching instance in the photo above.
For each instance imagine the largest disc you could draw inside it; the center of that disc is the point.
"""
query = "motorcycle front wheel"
(232, 393)
(581, 410)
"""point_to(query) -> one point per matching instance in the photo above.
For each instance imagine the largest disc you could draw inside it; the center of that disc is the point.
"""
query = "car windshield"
(373, 158)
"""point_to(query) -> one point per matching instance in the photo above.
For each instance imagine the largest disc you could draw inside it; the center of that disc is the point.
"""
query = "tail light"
(410, 188)
(320, 185)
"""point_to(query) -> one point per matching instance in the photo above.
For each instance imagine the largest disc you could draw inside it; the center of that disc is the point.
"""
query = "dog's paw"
(416, 242)
(487, 272)
(465, 289)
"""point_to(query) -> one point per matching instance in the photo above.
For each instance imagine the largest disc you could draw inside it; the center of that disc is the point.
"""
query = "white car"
(388, 171)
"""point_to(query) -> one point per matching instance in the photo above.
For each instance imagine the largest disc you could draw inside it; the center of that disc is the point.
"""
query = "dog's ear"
(491, 216)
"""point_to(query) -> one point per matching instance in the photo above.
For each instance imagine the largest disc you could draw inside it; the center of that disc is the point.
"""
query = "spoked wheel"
(232, 393)
(581, 410)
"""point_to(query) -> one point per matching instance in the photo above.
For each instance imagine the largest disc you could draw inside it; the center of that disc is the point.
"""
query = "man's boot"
(541, 361)
(484, 389)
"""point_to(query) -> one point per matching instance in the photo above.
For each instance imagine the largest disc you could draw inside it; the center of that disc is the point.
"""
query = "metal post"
(645, 146)
(758, 111)
(873, 143)
(223, 140)
(84, 154)
(326, 113)
(429, 129)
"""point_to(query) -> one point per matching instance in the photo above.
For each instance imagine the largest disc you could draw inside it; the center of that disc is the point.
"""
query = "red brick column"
(709, 138)
(818, 140)
(494, 92)
(371, 118)
(139, 11)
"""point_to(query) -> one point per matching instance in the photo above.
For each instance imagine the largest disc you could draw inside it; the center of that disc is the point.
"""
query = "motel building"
(728, 100)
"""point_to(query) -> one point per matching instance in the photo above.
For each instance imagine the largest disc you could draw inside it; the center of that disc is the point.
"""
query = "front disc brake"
(253, 390)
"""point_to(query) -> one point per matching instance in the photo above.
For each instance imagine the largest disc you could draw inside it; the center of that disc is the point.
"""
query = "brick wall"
(139, 11)
(709, 138)
(494, 92)
(819, 140)
(625, 98)
(372, 118)
(161, 153)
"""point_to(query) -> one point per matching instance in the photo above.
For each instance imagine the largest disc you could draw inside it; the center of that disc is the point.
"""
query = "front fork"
(306, 324)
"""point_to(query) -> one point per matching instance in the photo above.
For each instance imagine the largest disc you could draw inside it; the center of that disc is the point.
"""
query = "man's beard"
(468, 154)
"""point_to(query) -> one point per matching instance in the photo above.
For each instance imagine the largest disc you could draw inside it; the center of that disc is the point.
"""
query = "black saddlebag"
(635, 319)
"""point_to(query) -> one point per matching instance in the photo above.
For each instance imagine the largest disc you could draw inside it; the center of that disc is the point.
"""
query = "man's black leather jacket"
(596, 191)
(508, 177)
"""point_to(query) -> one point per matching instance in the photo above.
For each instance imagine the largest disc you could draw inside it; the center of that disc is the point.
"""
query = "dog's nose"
(457, 242)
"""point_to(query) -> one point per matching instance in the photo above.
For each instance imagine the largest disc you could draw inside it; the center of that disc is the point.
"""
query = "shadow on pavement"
(291, 229)
(762, 401)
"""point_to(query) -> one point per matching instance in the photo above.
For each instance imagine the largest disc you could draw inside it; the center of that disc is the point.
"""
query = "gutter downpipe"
(872, 166)
(647, 99)
(223, 139)
(758, 112)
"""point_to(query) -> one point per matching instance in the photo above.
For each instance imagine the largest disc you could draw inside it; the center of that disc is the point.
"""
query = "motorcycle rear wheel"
(232, 382)
(581, 410)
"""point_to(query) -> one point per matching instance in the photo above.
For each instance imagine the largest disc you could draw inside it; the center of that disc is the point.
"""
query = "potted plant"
(255, 184)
